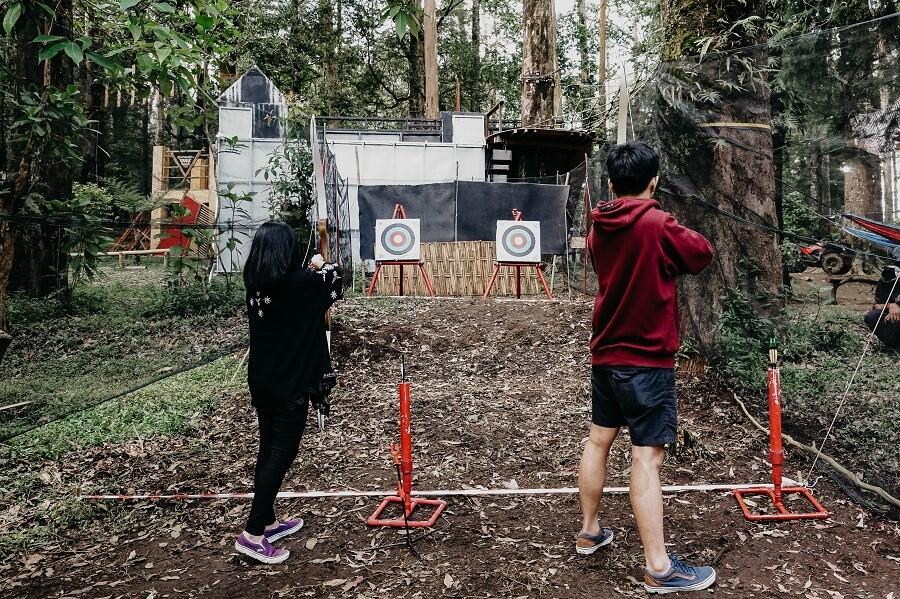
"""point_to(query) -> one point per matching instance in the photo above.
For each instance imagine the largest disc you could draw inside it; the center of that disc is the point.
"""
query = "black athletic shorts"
(643, 399)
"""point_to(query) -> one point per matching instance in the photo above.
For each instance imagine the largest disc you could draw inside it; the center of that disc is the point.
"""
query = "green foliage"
(193, 297)
(799, 216)
(744, 341)
(289, 171)
(405, 15)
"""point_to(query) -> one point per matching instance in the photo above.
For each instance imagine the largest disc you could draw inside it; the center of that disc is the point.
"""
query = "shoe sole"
(591, 550)
(699, 586)
(285, 533)
(260, 558)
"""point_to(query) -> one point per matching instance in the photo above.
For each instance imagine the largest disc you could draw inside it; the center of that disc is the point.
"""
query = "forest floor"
(500, 399)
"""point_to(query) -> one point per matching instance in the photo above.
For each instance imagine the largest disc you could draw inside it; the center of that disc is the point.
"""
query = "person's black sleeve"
(332, 284)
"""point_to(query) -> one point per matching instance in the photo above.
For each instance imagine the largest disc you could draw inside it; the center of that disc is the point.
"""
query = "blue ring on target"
(408, 242)
(526, 248)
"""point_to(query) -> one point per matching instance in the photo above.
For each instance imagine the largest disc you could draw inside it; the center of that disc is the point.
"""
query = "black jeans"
(280, 429)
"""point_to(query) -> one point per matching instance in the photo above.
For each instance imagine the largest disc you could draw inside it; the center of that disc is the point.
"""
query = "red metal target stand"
(776, 455)
(517, 215)
(402, 457)
(399, 212)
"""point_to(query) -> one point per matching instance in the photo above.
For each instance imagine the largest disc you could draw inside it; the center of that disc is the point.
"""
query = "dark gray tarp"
(467, 213)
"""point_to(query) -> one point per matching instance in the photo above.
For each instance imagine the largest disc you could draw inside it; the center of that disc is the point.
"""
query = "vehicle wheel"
(836, 264)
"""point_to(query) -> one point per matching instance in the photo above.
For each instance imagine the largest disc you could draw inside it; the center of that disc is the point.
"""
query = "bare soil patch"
(500, 397)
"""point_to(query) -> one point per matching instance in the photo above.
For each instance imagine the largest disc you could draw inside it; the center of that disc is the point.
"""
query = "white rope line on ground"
(837, 412)
(700, 488)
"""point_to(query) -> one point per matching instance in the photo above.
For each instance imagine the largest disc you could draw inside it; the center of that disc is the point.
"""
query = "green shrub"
(193, 297)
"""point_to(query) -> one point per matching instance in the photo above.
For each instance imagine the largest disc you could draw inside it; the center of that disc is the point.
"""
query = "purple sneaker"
(288, 527)
(261, 552)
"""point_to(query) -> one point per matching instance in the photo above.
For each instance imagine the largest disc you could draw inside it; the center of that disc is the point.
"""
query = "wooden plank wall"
(458, 269)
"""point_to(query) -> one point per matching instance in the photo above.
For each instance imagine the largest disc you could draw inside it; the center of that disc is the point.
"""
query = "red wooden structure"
(776, 456)
(198, 216)
(399, 212)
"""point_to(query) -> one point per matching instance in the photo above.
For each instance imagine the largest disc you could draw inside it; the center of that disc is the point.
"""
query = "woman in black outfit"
(286, 305)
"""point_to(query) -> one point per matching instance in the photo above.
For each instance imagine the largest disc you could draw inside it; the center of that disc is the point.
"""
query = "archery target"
(519, 241)
(397, 239)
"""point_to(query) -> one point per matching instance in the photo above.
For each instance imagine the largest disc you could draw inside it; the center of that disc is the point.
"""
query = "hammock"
(889, 232)
(873, 238)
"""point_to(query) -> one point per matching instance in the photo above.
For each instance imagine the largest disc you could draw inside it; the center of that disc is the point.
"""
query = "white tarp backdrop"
(250, 111)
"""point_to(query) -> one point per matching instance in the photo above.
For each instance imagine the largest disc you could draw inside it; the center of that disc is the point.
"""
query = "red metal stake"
(403, 458)
(776, 457)
(404, 487)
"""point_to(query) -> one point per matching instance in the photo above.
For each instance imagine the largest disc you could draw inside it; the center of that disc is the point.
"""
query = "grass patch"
(168, 407)
(42, 504)
(112, 336)
(819, 355)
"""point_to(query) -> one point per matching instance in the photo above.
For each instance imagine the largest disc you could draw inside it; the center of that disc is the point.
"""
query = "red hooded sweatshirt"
(637, 251)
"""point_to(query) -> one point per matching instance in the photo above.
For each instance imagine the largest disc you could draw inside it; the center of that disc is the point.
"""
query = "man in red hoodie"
(637, 251)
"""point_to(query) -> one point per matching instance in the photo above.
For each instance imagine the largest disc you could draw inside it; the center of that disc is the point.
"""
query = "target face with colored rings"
(519, 241)
(397, 239)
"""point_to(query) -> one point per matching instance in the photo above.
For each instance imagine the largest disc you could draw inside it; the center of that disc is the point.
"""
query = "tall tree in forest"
(719, 156)
(540, 65)
(601, 66)
(165, 49)
(44, 139)
(475, 83)
(582, 33)
(431, 63)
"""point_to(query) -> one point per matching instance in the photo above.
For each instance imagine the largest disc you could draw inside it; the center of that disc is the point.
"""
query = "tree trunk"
(706, 176)
(329, 51)
(583, 74)
(540, 76)
(414, 56)
(432, 99)
(40, 269)
(862, 186)
(475, 90)
(7, 252)
(601, 68)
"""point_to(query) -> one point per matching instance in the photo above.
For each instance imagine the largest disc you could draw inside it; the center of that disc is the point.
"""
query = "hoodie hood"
(620, 214)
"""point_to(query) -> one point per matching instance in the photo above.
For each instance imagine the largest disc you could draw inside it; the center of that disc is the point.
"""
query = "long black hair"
(273, 254)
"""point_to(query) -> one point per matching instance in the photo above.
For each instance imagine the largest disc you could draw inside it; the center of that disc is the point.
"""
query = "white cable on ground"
(703, 488)
(825, 458)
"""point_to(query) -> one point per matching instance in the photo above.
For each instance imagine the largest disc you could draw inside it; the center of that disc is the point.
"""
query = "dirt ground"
(814, 283)
(500, 398)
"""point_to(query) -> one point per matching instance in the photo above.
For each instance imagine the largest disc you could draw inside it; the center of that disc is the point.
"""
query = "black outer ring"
(392, 229)
(518, 253)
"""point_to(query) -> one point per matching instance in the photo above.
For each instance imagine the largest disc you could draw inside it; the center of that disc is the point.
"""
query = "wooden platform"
(458, 269)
